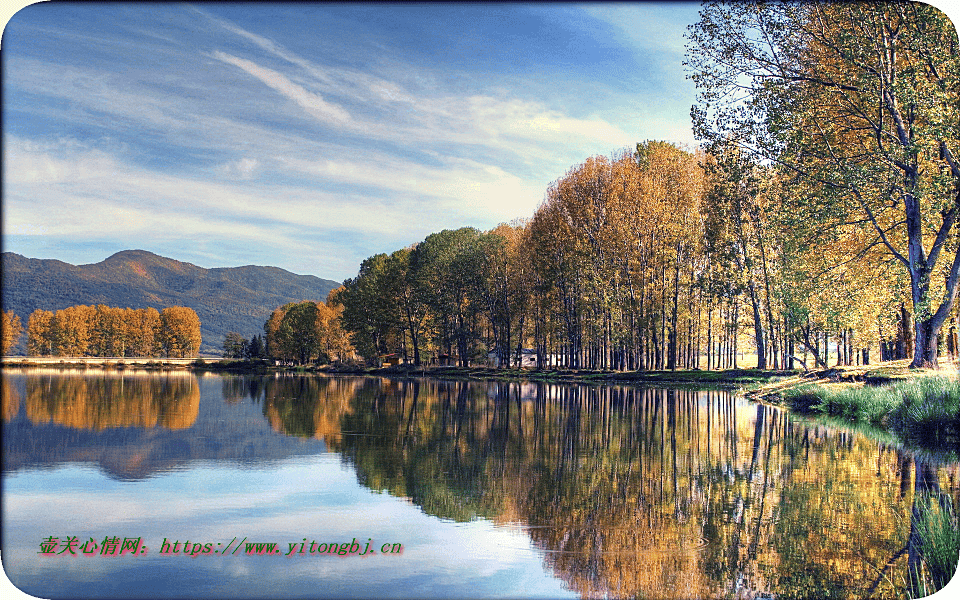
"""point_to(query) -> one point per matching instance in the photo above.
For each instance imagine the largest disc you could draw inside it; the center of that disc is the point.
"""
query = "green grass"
(929, 411)
(939, 533)
(853, 403)
(923, 410)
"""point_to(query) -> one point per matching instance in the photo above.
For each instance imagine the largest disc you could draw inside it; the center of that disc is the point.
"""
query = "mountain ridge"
(225, 298)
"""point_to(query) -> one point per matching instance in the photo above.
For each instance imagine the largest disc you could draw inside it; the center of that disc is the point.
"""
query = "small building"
(390, 360)
(528, 358)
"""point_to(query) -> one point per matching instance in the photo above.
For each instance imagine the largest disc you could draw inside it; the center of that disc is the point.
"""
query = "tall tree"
(179, 332)
(860, 102)
(12, 329)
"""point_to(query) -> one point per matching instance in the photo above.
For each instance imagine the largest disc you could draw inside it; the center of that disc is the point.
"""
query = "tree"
(735, 234)
(235, 345)
(370, 308)
(71, 329)
(12, 329)
(144, 333)
(299, 332)
(256, 348)
(179, 332)
(451, 269)
(859, 101)
(308, 331)
(335, 339)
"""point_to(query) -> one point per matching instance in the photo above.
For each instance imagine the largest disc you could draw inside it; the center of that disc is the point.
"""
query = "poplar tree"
(12, 330)
(860, 102)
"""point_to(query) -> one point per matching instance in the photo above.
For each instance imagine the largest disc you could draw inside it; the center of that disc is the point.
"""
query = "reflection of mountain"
(124, 444)
(645, 493)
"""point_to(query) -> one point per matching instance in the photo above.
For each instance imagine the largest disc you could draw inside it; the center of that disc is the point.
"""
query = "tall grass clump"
(939, 534)
(925, 410)
(852, 403)
(929, 410)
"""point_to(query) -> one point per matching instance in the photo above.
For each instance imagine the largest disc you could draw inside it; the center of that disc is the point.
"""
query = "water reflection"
(635, 492)
(100, 402)
(132, 425)
(627, 492)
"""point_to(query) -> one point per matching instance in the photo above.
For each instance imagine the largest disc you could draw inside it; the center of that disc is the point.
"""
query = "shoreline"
(775, 388)
(754, 384)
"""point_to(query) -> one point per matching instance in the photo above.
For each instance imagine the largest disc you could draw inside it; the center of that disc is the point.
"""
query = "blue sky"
(310, 136)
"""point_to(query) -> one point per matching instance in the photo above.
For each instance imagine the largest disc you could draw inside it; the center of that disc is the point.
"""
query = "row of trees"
(820, 216)
(856, 106)
(655, 258)
(299, 333)
(102, 330)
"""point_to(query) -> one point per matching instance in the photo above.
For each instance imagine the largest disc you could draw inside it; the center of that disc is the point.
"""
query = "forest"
(816, 222)
(107, 331)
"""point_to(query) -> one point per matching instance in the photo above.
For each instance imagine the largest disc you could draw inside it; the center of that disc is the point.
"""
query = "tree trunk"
(758, 327)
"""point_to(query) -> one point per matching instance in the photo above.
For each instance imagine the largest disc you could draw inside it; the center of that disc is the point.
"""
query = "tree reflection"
(631, 491)
(102, 401)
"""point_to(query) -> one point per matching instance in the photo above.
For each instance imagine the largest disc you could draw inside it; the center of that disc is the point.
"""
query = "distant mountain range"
(226, 299)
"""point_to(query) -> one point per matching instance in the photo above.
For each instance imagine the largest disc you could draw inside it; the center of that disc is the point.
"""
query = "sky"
(310, 136)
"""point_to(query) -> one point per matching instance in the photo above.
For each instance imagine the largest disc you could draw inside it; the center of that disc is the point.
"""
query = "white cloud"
(202, 150)
(312, 103)
(243, 168)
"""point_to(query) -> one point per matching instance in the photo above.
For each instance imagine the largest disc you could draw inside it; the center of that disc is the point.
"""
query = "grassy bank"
(735, 378)
(921, 408)
(924, 410)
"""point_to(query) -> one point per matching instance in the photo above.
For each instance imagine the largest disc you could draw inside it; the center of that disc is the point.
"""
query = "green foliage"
(924, 410)
(235, 345)
(939, 532)
(930, 410)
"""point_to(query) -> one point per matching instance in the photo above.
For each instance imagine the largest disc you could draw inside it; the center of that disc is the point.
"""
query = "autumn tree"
(859, 101)
(40, 340)
(72, 328)
(335, 341)
(143, 337)
(307, 331)
(179, 332)
(12, 329)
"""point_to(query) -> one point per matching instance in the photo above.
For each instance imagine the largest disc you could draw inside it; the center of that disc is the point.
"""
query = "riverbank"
(919, 408)
(96, 362)
(731, 379)
(757, 385)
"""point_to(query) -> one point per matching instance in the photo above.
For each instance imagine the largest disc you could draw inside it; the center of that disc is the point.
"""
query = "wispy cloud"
(312, 103)
(233, 133)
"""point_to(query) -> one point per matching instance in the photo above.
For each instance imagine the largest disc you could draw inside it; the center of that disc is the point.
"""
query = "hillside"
(226, 299)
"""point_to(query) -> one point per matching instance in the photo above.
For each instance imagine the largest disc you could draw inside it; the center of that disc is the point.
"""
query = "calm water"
(459, 489)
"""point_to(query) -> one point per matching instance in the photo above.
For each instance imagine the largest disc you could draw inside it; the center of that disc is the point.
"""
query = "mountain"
(226, 299)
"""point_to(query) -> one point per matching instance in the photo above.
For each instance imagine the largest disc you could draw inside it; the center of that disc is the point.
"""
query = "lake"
(150, 485)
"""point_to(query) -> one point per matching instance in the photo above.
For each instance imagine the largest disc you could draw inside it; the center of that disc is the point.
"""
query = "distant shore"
(731, 378)
(95, 361)
(766, 385)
